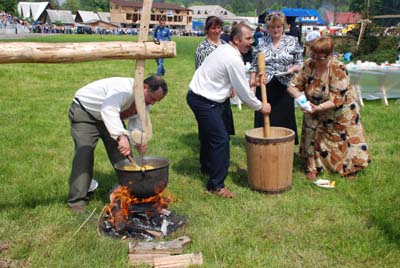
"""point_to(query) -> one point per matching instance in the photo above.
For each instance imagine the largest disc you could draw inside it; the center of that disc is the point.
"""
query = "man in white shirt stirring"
(98, 111)
(211, 85)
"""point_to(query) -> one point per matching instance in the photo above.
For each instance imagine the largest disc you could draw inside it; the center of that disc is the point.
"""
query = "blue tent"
(295, 12)
(197, 25)
(292, 13)
(314, 13)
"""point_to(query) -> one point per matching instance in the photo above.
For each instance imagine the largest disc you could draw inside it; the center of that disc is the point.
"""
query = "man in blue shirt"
(161, 33)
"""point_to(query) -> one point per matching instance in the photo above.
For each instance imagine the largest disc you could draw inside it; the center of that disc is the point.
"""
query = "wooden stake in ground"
(261, 73)
(364, 23)
(139, 76)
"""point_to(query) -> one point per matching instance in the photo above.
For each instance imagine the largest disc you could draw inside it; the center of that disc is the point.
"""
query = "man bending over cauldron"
(97, 111)
(211, 85)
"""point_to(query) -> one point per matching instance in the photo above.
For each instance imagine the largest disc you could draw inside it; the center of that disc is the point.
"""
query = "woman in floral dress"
(333, 137)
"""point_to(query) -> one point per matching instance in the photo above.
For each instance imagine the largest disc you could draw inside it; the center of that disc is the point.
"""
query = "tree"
(73, 5)
(9, 6)
(95, 5)
(367, 8)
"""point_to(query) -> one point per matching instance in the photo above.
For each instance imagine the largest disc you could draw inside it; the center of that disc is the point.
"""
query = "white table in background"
(386, 77)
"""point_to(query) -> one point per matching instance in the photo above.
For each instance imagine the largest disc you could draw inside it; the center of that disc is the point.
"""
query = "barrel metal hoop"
(273, 192)
(269, 140)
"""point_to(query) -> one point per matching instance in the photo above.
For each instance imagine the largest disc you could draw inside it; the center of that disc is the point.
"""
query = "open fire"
(138, 218)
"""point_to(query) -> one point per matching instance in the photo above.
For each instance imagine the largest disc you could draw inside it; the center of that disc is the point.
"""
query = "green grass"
(355, 225)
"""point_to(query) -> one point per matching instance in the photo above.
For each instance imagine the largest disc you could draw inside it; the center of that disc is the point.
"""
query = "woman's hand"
(294, 68)
(262, 78)
(314, 109)
(253, 80)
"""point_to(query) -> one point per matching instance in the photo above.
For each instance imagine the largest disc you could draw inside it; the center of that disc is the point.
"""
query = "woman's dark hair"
(155, 82)
(212, 21)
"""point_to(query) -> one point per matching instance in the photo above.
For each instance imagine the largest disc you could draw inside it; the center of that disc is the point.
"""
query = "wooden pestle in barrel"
(261, 72)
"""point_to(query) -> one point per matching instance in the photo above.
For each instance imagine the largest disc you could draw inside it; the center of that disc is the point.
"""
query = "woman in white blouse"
(283, 54)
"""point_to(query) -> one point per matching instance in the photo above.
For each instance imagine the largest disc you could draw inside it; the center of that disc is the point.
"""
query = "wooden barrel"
(270, 160)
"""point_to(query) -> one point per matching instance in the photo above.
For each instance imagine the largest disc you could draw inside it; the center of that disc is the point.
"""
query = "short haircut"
(227, 29)
(237, 30)
(155, 82)
(276, 18)
(212, 21)
(322, 45)
(162, 19)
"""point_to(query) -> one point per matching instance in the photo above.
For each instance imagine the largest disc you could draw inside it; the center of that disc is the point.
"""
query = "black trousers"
(213, 137)
(282, 107)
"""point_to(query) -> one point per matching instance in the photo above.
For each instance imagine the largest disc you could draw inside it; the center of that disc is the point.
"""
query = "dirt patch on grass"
(9, 263)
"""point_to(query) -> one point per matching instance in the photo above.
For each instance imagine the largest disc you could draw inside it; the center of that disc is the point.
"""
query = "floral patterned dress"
(333, 139)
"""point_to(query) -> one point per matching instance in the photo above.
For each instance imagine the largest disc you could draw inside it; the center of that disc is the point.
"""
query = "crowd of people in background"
(11, 22)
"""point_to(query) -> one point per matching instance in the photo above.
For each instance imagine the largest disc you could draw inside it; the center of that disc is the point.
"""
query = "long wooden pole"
(31, 52)
(261, 72)
(139, 75)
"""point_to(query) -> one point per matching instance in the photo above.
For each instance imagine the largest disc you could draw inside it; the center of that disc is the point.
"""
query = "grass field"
(355, 225)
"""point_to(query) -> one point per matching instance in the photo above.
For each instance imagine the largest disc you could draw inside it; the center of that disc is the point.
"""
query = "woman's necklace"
(216, 43)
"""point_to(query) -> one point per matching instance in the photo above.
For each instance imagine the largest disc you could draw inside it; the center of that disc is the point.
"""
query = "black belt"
(77, 101)
(214, 103)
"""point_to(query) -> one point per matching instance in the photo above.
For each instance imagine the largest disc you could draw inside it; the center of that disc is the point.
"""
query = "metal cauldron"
(144, 183)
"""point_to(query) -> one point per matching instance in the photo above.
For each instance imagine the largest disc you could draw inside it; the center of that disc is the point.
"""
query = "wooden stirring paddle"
(261, 72)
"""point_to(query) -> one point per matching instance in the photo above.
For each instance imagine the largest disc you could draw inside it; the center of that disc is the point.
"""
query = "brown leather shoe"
(351, 176)
(79, 209)
(223, 192)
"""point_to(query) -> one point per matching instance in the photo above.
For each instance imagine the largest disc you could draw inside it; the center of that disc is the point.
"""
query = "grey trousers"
(86, 129)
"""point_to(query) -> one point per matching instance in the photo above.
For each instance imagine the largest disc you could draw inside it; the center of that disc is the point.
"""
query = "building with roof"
(59, 16)
(85, 16)
(104, 16)
(96, 20)
(341, 17)
(200, 13)
(126, 14)
(34, 10)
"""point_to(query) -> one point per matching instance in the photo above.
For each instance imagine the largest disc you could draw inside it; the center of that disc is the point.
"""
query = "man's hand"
(141, 148)
(124, 146)
(265, 109)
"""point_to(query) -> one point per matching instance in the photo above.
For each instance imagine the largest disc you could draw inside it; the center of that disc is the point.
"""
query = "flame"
(121, 200)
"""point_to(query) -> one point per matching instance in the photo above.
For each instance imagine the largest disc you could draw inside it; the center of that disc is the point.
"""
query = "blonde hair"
(276, 18)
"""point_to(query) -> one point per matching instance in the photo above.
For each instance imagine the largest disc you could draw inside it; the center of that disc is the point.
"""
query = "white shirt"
(110, 96)
(221, 71)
